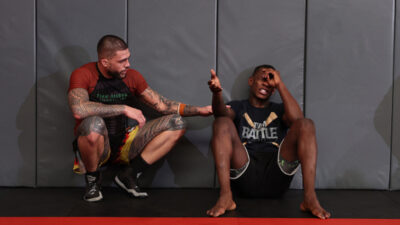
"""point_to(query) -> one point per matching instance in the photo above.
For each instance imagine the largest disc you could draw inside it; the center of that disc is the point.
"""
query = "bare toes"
(315, 209)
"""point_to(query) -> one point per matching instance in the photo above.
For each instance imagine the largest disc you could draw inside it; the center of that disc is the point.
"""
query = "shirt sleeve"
(280, 109)
(141, 84)
(137, 83)
(79, 79)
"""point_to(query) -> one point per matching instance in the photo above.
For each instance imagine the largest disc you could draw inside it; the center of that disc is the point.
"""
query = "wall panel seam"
(216, 67)
(35, 86)
(305, 57)
(393, 92)
(126, 21)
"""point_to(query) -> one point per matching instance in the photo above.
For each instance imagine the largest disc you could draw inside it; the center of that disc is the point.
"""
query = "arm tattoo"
(164, 105)
(81, 107)
(158, 102)
(190, 111)
(153, 128)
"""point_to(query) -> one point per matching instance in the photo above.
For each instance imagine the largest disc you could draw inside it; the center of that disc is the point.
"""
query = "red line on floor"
(188, 221)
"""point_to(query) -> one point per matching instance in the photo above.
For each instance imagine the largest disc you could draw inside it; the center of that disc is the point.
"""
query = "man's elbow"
(217, 114)
(297, 117)
(78, 117)
(78, 114)
(293, 118)
(162, 109)
(222, 113)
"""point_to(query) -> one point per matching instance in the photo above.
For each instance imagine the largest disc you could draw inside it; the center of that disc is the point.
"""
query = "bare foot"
(224, 203)
(312, 205)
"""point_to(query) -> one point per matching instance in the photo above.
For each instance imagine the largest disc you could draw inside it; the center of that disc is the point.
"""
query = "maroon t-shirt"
(108, 91)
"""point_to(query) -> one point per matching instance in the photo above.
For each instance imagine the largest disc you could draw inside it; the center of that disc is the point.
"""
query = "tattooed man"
(110, 130)
(254, 152)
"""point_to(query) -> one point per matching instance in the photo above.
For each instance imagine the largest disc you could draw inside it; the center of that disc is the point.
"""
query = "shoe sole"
(130, 191)
(100, 197)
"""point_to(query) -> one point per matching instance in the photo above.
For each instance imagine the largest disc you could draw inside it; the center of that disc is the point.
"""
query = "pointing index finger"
(213, 74)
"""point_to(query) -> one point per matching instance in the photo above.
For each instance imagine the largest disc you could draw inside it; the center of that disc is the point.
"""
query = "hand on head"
(273, 78)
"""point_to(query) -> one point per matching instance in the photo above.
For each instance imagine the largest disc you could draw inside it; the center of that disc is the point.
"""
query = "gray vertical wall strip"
(126, 20)
(17, 93)
(68, 32)
(173, 46)
(216, 34)
(349, 79)
(305, 56)
(215, 184)
(250, 35)
(35, 65)
(395, 165)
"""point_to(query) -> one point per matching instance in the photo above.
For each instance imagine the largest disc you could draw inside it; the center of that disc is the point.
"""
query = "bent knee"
(223, 124)
(92, 138)
(176, 122)
(92, 124)
(304, 124)
(178, 133)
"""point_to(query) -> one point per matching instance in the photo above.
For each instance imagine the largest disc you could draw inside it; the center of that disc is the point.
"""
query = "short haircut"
(262, 67)
(109, 44)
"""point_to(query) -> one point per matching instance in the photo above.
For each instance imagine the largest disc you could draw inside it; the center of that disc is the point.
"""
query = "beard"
(115, 74)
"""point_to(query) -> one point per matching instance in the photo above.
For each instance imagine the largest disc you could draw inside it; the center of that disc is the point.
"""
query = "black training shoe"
(93, 193)
(128, 183)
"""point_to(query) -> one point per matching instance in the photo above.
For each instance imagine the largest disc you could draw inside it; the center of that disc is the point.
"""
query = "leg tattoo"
(95, 124)
(92, 124)
(153, 128)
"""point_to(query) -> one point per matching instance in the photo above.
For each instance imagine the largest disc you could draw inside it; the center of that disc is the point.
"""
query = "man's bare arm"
(167, 106)
(82, 107)
(292, 108)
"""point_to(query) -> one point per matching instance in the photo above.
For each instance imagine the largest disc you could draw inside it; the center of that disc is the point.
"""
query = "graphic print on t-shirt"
(260, 129)
(260, 132)
(111, 98)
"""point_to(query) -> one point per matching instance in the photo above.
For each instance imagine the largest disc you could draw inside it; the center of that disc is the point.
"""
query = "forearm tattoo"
(153, 128)
(190, 110)
(80, 105)
(164, 105)
(158, 102)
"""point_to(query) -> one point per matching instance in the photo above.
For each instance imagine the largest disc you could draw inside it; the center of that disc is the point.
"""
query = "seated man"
(109, 129)
(254, 152)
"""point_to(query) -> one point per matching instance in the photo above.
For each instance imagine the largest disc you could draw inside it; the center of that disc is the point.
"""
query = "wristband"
(181, 108)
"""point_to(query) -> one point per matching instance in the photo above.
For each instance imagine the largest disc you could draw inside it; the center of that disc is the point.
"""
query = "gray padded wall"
(67, 34)
(173, 46)
(349, 72)
(351, 90)
(251, 33)
(17, 82)
(395, 170)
